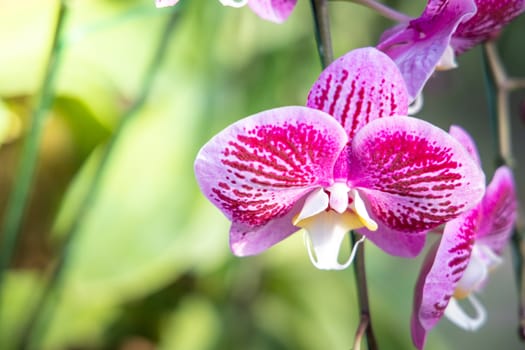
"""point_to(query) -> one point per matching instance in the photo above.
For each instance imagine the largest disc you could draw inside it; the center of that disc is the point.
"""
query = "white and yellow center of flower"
(328, 214)
(482, 261)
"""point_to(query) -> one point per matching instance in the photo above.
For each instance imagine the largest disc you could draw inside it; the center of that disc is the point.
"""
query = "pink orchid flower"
(272, 10)
(339, 164)
(445, 29)
(471, 246)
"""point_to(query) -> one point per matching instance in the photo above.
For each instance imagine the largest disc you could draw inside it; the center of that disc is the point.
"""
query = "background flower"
(459, 265)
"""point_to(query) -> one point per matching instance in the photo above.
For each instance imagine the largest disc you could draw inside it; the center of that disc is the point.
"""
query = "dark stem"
(31, 334)
(518, 249)
(498, 96)
(499, 86)
(29, 155)
(362, 293)
(361, 329)
(322, 31)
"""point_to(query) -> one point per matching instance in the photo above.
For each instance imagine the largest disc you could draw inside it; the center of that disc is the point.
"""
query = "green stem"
(20, 193)
(31, 333)
(322, 31)
(362, 293)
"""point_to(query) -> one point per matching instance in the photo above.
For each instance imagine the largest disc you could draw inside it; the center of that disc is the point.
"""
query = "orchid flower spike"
(276, 11)
(445, 29)
(471, 247)
(349, 160)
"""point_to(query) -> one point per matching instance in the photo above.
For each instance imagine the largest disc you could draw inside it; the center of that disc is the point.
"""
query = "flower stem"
(31, 333)
(361, 329)
(499, 86)
(498, 91)
(383, 10)
(518, 245)
(362, 291)
(324, 48)
(20, 193)
(322, 31)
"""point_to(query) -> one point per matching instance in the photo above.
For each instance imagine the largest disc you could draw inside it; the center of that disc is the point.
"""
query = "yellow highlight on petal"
(348, 220)
(461, 293)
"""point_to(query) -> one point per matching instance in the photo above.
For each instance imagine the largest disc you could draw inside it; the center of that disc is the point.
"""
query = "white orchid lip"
(460, 318)
(328, 214)
(482, 261)
(234, 3)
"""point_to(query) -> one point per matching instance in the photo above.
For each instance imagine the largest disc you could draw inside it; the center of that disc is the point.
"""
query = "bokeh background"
(151, 267)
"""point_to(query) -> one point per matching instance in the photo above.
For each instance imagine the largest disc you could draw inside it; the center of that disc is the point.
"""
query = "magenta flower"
(471, 246)
(271, 10)
(445, 29)
(337, 165)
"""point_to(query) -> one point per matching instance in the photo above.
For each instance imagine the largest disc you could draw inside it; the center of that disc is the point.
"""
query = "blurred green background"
(151, 267)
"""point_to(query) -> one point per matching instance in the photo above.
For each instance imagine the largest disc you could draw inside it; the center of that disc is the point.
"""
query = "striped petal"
(442, 270)
(414, 175)
(256, 169)
(418, 46)
(499, 211)
(247, 240)
(491, 16)
(273, 10)
(359, 87)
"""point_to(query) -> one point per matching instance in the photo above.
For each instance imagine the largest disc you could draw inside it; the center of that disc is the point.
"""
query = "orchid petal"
(491, 16)
(474, 275)
(165, 3)
(442, 269)
(420, 45)
(416, 105)
(397, 243)
(414, 175)
(247, 240)
(499, 211)
(466, 140)
(273, 10)
(359, 87)
(457, 315)
(315, 202)
(358, 206)
(256, 169)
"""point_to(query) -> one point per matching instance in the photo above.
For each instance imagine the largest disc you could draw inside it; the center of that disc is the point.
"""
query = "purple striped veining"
(359, 87)
(416, 175)
(490, 18)
(256, 169)
(442, 269)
